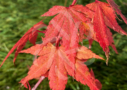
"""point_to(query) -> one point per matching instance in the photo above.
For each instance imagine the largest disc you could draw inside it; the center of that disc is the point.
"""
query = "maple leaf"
(64, 25)
(49, 61)
(103, 17)
(30, 35)
(56, 62)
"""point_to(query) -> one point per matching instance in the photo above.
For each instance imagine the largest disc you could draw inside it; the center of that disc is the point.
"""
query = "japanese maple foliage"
(56, 63)
(60, 53)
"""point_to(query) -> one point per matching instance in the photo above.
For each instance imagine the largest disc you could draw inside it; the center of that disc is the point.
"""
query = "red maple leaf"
(30, 35)
(55, 62)
(103, 17)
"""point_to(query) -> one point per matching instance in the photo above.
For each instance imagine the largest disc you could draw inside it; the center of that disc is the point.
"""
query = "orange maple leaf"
(56, 62)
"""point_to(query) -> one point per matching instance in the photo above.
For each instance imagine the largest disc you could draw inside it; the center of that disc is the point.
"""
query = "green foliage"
(17, 16)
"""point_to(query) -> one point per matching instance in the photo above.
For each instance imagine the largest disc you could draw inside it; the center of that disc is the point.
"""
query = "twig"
(37, 84)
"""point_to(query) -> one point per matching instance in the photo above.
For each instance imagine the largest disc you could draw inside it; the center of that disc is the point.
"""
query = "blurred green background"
(17, 16)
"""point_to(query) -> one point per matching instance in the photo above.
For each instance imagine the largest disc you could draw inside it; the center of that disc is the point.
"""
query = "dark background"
(17, 16)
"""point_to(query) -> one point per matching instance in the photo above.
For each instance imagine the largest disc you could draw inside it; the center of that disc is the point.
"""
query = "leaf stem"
(37, 84)
(74, 2)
